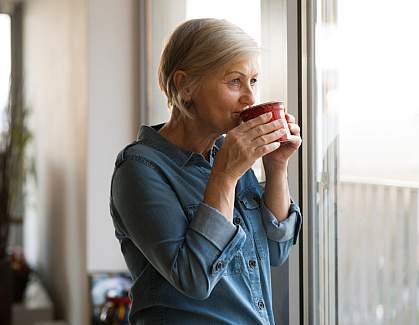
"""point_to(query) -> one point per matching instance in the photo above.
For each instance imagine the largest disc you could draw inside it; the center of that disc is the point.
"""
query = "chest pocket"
(249, 201)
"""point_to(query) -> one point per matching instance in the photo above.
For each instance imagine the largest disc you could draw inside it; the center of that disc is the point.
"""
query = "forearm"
(277, 196)
(219, 194)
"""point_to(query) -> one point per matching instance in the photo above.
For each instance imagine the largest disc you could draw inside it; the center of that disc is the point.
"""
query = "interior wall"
(54, 47)
(113, 121)
(81, 85)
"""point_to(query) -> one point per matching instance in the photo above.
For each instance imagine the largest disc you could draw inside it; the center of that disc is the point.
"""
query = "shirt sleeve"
(191, 255)
(281, 235)
(282, 231)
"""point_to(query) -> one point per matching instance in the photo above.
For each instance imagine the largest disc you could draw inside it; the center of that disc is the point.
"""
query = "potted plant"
(13, 140)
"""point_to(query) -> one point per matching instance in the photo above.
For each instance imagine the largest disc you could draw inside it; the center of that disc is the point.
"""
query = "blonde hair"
(197, 47)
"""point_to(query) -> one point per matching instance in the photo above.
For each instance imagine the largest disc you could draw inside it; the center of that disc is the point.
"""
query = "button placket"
(261, 304)
(252, 264)
(219, 265)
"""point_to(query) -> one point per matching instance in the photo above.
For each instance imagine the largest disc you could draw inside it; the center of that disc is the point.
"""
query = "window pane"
(248, 17)
(367, 162)
(379, 188)
(5, 65)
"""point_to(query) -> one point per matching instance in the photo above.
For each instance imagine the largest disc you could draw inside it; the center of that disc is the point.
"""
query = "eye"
(235, 81)
(253, 81)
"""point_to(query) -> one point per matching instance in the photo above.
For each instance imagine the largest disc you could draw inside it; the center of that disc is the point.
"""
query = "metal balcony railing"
(378, 252)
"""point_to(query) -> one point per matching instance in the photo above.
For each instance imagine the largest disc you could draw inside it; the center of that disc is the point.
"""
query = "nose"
(247, 97)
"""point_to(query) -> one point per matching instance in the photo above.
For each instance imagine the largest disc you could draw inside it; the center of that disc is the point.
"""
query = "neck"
(188, 134)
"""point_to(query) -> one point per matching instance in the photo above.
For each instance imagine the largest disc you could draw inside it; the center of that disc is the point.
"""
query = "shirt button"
(236, 221)
(252, 264)
(261, 304)
(219, 265)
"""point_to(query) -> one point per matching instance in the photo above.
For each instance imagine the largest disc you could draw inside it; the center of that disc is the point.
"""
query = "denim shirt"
(189, 264)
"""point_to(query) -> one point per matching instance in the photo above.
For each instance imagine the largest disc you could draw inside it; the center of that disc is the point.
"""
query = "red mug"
(278, 113)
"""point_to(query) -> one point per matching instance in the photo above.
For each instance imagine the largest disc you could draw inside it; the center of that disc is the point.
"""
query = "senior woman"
(198, 233)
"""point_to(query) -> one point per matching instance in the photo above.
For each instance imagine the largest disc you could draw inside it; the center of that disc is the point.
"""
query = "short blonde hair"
(197, 47)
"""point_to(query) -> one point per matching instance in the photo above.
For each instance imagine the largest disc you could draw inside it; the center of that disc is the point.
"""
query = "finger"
(294, 129)
(261, 119)
(268, 138)
(290, 118)
(295, 141)
(263, 129)
(267, 148)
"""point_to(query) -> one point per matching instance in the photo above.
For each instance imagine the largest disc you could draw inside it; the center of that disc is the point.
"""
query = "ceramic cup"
(278, 113)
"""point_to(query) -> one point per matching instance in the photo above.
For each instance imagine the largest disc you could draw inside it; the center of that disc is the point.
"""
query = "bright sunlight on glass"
(378, 83)
(5, 64)
(243, 13)
(376, 59)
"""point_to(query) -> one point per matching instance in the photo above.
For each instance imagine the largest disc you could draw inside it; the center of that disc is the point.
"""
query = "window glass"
(366, 166)
(248, 17)
(5, 65)
(379, 178)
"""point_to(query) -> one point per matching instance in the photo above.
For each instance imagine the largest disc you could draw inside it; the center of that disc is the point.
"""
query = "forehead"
(245, 65)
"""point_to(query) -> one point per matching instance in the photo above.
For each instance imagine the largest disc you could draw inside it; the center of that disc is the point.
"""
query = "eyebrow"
(239, 72)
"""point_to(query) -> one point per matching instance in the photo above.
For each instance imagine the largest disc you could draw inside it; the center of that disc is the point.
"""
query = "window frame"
(319, 300)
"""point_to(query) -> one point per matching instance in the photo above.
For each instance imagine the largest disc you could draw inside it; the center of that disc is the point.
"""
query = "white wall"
(54, 58)
(81, 77)
(113, 119)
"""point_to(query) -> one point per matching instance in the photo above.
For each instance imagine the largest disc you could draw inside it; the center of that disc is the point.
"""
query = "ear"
(180, 77)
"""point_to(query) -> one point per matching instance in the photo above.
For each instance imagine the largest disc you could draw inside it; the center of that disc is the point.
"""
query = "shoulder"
(138, 152)
(137, 169)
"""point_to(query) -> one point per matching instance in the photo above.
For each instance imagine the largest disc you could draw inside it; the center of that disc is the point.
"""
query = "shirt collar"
(150, 136)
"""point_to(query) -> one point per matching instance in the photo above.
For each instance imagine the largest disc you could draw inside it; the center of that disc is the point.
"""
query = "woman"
(196, 230)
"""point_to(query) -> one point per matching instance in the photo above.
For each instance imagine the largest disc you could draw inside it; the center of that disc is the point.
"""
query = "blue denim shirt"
(189, 264)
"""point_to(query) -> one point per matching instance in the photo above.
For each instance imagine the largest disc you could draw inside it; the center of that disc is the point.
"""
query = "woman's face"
(222, 95)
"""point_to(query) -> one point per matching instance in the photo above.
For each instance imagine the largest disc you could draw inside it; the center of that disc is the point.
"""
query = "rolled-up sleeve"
(212, 225)
(281, 235)
(282, 231)
(192, 256)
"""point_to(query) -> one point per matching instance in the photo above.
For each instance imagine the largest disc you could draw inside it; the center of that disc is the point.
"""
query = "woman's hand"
(242, 146)
(246, 143)
(281, 156)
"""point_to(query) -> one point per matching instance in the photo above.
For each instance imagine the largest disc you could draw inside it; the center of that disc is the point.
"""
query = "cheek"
(218, 102)
(228, 99)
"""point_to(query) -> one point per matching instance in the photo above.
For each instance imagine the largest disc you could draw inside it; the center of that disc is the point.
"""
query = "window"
(364, 192)
(5, 65)
(248, 17)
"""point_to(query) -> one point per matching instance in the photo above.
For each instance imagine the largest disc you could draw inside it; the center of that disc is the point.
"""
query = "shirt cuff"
(211, 224)
(282, 231)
